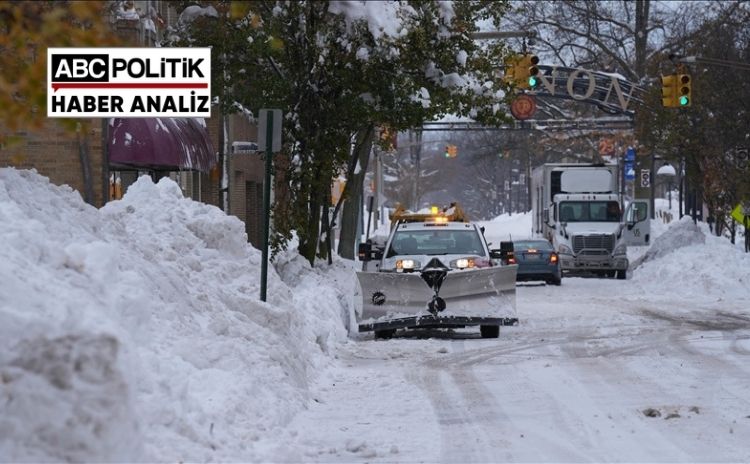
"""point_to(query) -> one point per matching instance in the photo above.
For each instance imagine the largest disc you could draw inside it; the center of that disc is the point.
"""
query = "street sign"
(606, 147)
(629, 173)
(523, 107)
(630, 154)
(645, 178)
(266, 117)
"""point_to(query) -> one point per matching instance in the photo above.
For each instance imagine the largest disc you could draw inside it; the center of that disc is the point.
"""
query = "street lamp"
(668, 171)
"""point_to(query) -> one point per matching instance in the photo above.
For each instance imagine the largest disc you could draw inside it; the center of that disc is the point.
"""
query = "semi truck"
(577, 207)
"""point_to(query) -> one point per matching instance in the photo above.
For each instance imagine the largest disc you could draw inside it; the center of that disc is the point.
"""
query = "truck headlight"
(406, 265)
(564, 249)
(620, 250)
(462, 263)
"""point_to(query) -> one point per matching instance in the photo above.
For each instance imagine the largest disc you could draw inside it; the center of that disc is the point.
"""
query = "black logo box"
(57, 59)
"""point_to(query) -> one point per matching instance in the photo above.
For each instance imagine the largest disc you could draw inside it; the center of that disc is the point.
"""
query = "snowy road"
(596, 371)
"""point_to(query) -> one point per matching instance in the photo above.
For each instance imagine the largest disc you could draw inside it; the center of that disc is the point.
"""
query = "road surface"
(594, 372)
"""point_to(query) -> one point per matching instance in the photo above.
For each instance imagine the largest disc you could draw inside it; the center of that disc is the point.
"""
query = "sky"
(135, 332)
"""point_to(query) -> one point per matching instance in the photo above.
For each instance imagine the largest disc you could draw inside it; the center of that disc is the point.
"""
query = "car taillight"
(512, 260)
(553, 258)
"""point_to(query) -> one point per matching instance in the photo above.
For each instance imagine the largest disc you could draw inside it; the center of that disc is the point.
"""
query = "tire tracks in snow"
(462, 439)
(483, 424)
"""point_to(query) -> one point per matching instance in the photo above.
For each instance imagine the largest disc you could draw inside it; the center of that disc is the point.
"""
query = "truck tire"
(385, 334)
(622, 274)
(555, 280)
(489, 331)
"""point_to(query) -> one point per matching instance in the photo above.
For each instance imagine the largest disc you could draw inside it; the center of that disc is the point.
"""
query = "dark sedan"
(537, 260)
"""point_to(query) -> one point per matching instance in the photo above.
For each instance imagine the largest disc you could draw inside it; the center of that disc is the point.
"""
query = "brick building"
(81, 159)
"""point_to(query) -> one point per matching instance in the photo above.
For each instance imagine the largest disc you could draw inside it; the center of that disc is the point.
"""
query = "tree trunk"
(353, 194)
(308, 239)
(324, 244)
(85, 160)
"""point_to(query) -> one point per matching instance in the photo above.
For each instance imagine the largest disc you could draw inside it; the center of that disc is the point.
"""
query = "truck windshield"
(589, 211)
(435, 242)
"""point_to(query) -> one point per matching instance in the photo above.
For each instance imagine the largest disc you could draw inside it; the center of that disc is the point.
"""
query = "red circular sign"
(523, 107)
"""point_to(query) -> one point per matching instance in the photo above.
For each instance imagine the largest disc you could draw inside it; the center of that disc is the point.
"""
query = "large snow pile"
(135, 332)
(507, 227)
(702, 263)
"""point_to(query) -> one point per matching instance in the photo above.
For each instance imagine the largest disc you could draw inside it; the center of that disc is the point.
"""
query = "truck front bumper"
(593, 262)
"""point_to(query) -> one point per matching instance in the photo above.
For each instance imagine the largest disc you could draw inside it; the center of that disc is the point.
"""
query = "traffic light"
(522, 71)
(530, 61)
(669, 91)
(511, 68)
(676, 91)
(684, 90)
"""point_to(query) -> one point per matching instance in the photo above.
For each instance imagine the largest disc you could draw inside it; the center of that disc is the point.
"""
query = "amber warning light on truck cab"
(128, 82)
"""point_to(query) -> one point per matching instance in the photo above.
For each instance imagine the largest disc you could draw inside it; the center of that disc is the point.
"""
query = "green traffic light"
(533, 82)
(684, 100)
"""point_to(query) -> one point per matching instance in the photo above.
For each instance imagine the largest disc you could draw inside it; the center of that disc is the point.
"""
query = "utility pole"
(416, 154)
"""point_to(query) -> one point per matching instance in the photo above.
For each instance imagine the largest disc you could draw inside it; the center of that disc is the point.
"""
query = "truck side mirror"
(506, 246)
(365, 251)
(506, 252)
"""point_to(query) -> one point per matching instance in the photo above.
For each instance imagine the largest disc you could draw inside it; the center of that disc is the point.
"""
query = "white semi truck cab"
(578, 208)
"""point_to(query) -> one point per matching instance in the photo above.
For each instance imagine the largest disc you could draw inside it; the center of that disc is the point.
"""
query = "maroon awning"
(161, 143)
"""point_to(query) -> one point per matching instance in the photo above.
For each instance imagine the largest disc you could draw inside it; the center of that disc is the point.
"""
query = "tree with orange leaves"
(27, 29)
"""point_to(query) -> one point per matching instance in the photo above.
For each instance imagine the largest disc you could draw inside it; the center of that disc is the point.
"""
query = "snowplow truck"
(436, 270)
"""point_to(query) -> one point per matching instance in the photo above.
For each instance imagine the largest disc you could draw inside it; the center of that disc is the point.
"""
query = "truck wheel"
(611, 273)
(622, 274)
(385, 334)
(556, 280)
(489, 331)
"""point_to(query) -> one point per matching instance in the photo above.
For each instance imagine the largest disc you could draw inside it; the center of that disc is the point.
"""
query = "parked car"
(537, 260)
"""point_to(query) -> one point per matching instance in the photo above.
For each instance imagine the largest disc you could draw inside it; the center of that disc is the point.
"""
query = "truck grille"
(594, 244)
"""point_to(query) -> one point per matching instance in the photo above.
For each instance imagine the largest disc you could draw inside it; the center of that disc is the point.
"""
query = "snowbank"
(688, 256)
(135, 332)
